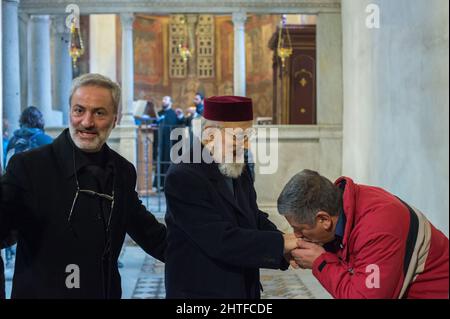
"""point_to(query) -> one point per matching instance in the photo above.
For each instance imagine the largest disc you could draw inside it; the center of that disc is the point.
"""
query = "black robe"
(216, 242)
(164, 143)
(37, 194)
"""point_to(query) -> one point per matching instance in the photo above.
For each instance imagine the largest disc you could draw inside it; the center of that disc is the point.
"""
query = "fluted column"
(239, 52)
(10, 63)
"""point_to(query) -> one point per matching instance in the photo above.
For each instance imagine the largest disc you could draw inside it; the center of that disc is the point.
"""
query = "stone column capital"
(24, 17)
(239, 18)
(12, 2)
(191, 18)
(59, 24)
(127, 20)
(40, 18)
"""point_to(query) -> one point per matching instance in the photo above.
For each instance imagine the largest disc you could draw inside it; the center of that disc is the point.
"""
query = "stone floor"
(148, 281)
(143, 276)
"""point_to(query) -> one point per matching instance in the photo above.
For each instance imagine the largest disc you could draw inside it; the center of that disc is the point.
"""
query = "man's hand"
(179, 113)
(191, 110)
(306, 253)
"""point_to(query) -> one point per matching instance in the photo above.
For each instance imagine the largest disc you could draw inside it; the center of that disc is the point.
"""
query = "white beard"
(233, 170)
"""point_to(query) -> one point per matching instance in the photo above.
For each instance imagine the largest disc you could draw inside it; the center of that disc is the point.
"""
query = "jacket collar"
(64, 149)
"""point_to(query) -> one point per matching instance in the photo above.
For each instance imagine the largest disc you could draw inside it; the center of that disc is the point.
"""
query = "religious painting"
(225, 49)
(258, 31)
(148, 50)
(151, 62)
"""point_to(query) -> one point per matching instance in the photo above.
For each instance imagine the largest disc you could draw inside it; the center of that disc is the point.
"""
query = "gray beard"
(233, 170)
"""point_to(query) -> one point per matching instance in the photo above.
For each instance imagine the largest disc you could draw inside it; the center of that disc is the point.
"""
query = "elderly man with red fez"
(218, 239)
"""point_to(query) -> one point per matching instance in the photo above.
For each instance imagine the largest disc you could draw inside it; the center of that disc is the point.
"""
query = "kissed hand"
(306, 253)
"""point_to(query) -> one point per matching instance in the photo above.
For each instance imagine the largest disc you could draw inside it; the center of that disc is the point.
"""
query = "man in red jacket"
(363, 242)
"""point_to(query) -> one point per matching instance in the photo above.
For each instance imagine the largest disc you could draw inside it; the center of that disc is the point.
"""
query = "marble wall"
(315, 147)
(396, 102)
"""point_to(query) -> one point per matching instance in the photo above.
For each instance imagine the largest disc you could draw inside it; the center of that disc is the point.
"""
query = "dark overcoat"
(38, 190)
(217, 241)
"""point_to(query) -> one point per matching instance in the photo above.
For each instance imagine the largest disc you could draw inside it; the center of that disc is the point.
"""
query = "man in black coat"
(217, 237)
(73, 201)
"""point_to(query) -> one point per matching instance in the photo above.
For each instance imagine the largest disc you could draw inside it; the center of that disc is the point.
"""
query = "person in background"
(198, 102)
(30, 135)
(2, 165)
(167, 120)
(5, 143)
(192, 112)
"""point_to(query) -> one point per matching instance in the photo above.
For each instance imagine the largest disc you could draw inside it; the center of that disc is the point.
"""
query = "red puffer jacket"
(370, 261)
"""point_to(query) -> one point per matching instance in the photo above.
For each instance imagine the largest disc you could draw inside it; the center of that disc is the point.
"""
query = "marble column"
(239, 52)
(39, 70)
(329, 91)
(10, 63)
(62, 66)
(128, 129)
(329, 69)
(127, 68)
(102, 45)
(24, 19)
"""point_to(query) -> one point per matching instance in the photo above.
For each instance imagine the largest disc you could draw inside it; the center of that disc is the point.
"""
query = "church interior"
(352, 88)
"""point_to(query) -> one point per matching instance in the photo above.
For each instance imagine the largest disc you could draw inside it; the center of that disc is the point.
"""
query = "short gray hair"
(306, 194)
(99, 80)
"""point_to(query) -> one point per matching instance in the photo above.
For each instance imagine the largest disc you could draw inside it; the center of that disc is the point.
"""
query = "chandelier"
(185, 53)
(283, 52)
(183, 47)
(76, 48)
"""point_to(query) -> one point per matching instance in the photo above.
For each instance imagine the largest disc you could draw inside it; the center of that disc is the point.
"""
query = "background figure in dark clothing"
(167, 121)
(193, 112)
(198, 102)
(30, 134)
(5, 144)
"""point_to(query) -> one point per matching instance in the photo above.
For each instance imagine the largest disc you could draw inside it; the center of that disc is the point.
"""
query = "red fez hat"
(228, 109)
